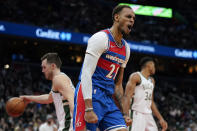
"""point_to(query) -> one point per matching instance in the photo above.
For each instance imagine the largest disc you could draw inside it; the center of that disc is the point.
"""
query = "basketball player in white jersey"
(62, 92)
(140, 87)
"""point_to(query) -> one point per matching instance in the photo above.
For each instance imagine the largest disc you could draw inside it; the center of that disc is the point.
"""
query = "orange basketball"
(15, 106)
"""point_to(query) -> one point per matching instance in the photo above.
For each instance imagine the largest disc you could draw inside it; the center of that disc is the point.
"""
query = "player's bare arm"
(118, 87)
(134, 79)
(119, 93)
(156, 112)
(63, 85)
(42, 99)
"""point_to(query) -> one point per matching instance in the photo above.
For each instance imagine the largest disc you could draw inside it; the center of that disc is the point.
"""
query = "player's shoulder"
(60, 81)
(134, 76)
(60, 78)
(100, 34)
(127, 45)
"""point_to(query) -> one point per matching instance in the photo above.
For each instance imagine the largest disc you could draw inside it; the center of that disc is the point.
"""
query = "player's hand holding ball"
(25, 99)
(15, 106)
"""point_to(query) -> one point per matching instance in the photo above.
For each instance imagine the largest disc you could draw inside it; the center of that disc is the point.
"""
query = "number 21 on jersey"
(110, 74)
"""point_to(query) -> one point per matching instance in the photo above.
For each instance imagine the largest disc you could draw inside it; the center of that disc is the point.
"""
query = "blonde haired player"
(140, 86)
(62, 92)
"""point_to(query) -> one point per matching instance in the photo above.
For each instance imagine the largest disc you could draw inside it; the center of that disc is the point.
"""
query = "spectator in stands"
(49, 125)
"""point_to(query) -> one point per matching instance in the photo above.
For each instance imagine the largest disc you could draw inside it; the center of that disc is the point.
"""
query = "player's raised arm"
(156, 112)
(63, 85)
(134, 79)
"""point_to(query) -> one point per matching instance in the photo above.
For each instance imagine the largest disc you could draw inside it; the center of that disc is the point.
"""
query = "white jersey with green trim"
(63, 113)
(143, 95)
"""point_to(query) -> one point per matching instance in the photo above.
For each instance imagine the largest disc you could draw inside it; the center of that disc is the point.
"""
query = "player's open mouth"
(129, 27)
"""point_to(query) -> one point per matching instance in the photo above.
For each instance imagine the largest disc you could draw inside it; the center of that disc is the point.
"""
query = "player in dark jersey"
(101, 77)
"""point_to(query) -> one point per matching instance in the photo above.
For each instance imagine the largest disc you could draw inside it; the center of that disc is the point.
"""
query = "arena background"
(20, 71)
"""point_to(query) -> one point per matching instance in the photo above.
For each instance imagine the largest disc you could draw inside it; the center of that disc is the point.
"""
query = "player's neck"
(56, 72)
(145, 73)
(116, 34)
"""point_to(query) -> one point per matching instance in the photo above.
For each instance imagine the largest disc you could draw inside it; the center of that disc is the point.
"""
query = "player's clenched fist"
(164, 124)
(91, 117)
(128, 120)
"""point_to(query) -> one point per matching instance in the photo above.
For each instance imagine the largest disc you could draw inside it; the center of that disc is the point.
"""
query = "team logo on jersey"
(113, 46)
(114, 58)
(147, 86)
(78, 123)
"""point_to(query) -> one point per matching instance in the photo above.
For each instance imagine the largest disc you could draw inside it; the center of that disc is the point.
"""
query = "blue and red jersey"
(109, 64)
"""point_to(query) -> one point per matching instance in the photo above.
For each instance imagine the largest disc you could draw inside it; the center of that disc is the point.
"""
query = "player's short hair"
(144, 60)
(52, 58)
(118, 9)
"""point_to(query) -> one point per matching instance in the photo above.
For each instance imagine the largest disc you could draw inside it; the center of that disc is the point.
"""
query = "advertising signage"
(82, 38)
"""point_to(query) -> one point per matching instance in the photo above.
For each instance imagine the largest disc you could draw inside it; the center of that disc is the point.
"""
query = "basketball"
(15, 107)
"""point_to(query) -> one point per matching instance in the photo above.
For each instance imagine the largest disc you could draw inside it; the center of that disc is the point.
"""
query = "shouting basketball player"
(102, 73)
(140, 86)
(62, 92)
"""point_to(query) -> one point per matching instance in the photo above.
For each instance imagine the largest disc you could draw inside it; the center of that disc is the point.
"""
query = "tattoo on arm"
(118, 97)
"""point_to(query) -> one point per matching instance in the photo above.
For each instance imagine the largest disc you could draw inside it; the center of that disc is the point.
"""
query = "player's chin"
(46, 77)
(127, 31)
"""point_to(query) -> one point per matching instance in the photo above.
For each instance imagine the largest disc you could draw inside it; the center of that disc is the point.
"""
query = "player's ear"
(53, 66)
(116, 17)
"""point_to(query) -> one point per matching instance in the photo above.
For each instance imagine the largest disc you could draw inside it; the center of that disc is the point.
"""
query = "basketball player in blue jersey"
(61, 94)
(102, 73)
(140, 86)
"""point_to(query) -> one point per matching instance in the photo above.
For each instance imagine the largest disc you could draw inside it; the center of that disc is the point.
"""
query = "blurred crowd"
(90, 16)
(178, 107)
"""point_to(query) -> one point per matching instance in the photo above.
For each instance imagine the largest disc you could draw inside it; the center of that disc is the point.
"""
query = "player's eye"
(129, 16)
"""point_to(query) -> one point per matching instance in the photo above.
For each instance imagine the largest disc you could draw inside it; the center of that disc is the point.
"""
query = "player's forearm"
(71, 106)
(42, 99)
(119, 95)
(126, 104)
(87, 91)
(86, 82)
(89, 67)
(71, 103)
(118, 87)
(156, 111)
